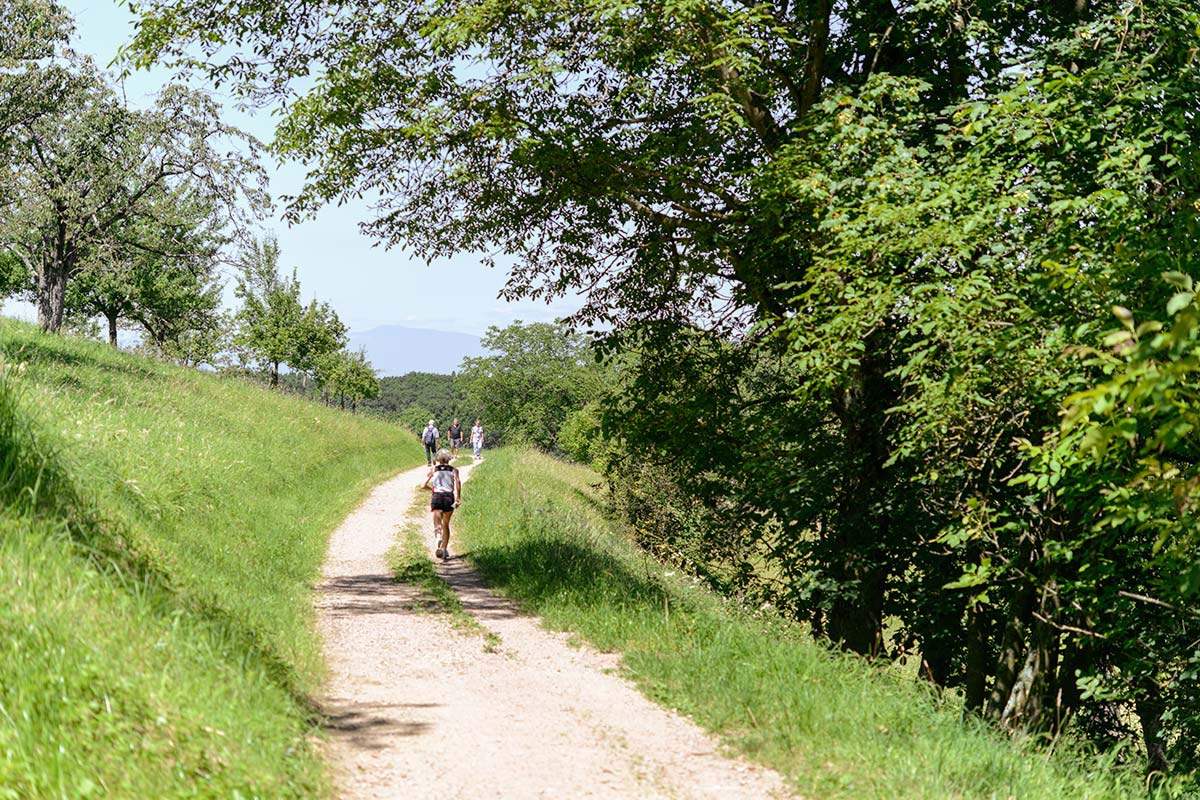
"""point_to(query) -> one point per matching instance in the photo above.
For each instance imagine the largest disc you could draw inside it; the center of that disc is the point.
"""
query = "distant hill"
(396, 350)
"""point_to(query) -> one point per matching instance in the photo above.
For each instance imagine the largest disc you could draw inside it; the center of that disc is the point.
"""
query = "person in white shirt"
(477, 438)
(444, 482)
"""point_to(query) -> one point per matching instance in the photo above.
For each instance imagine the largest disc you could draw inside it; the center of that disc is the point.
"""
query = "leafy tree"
(348, 376)
(415, 417)
(13, 276)
(539, 373)
(160, 273)
(86, 167)
(269, 321)
(34, 30)
(318, 334)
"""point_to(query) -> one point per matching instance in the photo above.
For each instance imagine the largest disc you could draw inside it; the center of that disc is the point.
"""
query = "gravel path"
(419, 710)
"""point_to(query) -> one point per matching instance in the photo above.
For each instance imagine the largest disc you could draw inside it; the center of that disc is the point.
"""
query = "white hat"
(430, 422)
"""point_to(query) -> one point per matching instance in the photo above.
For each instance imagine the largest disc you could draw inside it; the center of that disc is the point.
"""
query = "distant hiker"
(446, 486)
(455, 437)
(429, 438)
(477, 437)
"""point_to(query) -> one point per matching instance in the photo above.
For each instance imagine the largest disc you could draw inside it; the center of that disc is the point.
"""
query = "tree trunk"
(1012, 646)
(112, 328)
(860, 533)
(52, 295)
(1149, 708)
(1021, 701)
(818, 44)
(274, 374)
(975, 681)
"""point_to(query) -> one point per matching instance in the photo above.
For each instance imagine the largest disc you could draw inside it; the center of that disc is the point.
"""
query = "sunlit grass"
(160, 534)
(834, 725)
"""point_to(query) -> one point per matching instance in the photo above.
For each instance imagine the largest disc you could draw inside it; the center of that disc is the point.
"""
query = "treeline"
(535, 376)
(415, 398)
(114, 218)
(897, 299)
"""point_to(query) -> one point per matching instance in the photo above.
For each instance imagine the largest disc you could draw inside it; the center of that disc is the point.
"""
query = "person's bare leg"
(437, 529)
(445, 543)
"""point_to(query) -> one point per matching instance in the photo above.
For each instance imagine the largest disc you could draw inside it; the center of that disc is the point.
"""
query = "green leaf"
(1179, 302)
(1179, 280)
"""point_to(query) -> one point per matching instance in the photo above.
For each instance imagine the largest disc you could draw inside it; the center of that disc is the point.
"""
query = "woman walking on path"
(429, 438)
(477, 438)
(446, 486)
(456, 438)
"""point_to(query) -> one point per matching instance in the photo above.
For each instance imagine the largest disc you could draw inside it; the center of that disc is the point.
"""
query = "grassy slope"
(160, 531)
(835, 726)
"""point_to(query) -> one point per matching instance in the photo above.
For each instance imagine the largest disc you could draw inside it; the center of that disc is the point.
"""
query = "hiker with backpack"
(429, 438)
(444, 482)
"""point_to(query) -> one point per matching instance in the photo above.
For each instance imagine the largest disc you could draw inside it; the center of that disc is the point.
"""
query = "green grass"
(160, 533)
(834, 725)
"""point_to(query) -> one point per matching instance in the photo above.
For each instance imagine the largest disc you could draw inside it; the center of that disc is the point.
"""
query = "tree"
(540, 373)
(318, 334)
(268, 323)
(13, 276)
(34, 30)
(87, 167)
(419, 396)
(348, 377)
(159, 272)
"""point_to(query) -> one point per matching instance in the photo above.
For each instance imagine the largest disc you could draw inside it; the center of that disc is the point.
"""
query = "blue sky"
(367, 285)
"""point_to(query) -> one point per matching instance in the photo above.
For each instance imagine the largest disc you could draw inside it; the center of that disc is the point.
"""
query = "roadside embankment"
(834, 725)
(160, 532)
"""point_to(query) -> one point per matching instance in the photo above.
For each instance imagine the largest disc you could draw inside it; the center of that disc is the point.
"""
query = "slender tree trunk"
(1076, 656)
(274, 374)
(975, 681)
(818, 44)
(1012, 647)
(860, 532)
(112, 328)
(1149, 708)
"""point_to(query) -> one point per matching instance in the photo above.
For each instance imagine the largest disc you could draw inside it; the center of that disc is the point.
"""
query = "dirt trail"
(419, 710)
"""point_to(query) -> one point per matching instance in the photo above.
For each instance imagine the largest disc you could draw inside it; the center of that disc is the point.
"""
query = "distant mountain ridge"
(396, 350)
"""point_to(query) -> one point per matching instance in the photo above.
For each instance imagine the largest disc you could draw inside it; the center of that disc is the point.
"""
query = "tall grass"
(836, 726)
(160, 533)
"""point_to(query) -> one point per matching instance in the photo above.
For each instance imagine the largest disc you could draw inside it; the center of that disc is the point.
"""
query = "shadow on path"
(477, 600)
(371, 725)
(371, 593)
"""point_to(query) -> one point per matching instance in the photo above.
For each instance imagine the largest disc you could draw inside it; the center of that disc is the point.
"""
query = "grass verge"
(160, 533)
(835, 726)
(410, 564)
